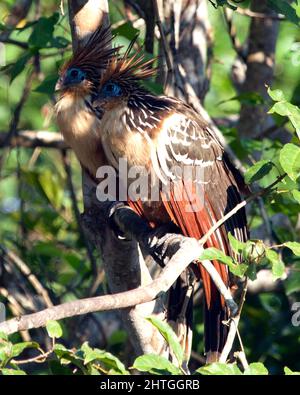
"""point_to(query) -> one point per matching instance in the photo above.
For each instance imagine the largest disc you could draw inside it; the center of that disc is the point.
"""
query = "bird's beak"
(59, 85)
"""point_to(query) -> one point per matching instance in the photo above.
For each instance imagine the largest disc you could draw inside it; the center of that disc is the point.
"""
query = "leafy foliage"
(92, 361)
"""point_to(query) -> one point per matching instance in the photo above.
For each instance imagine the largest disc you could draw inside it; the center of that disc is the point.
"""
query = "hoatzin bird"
(117, 117)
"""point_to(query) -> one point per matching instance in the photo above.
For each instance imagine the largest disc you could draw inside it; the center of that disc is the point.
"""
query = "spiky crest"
(94, 56)
(129, 69)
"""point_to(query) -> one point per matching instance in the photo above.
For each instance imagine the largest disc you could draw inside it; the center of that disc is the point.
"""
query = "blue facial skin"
(74, 76)
(111, 89)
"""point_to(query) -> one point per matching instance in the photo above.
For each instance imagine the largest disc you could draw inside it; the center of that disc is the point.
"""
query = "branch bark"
(188, 250)
(33, 139)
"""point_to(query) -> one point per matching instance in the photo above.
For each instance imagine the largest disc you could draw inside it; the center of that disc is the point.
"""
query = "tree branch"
(33, 139)
(189, 250)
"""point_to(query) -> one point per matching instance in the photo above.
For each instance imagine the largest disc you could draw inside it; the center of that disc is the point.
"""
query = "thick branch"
(33, 139)
(189, 250)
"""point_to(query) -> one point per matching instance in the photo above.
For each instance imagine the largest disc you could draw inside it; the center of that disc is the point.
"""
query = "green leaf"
(239, 269)
(294, 246)
(47, 86)
(57, 369)
(18, 348)
(109, 360)
(66, 357)
(276, 94)
(5, 351)
(42, 32)
(285, 109)
(19, 66)
(283, 7)
(256, 369)
(170, 337)
(218, 368)
(213, 254)
(276, 262)
(236, 245)
(155, 364)
(296, 195)
(290, 160)
(59, 42)
(3, 336)
(289, 372)
(60, 349)
(12, 372)
(258, 171)
(251, 271)
(126, 30)
(54, 329)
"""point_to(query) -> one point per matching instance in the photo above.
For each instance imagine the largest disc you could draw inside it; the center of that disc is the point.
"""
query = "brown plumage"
(160, 133)
(74, 114)
(128, 69)
(124, 120)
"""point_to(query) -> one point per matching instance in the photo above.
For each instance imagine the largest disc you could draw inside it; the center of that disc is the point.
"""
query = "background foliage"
(37, 212)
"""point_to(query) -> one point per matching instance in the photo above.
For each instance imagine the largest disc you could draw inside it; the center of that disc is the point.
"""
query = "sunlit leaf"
(290, 160)
(256, 369)
(54, 329)
(12, 372)
(289, 372)
(296, 195)
(278, 267)
(155, 364)
(213, 254)
(170, 337)
(18, 348)
(218, 368)
(110, 361)
(294, 246)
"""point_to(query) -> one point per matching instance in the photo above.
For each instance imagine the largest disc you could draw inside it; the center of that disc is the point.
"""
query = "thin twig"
(233, 34)
(38, 359)
(37, 285)
(241, 356)
(20, 44)
(233, 327)
(260, 15)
